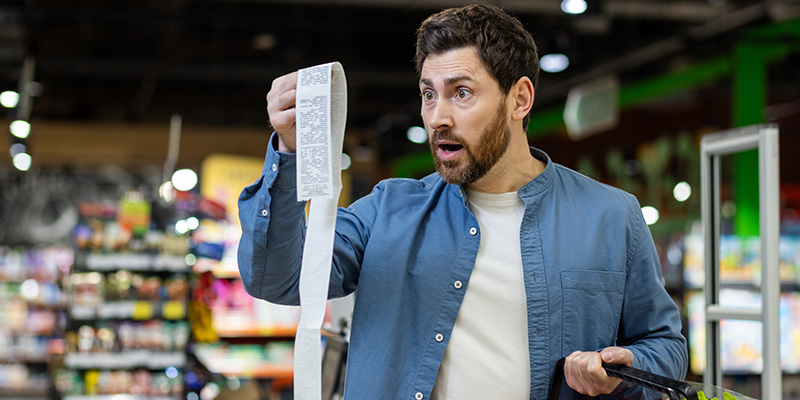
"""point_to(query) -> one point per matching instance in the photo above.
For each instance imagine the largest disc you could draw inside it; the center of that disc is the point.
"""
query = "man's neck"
(514, 170)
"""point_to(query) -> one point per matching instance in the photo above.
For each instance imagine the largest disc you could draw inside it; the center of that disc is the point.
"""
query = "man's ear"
(522, 94)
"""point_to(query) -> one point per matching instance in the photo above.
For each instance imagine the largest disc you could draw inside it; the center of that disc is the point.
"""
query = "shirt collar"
(541, 182)
(532, 188)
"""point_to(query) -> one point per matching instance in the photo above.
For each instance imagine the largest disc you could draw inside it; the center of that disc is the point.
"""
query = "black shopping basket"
(671, 388)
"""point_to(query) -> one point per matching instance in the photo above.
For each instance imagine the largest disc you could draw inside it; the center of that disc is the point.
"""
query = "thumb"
(617, 355)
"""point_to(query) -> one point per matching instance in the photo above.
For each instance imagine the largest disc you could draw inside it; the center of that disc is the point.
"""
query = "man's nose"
(441, 116)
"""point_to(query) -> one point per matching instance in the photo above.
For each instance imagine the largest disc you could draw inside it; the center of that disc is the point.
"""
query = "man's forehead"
(457, 64)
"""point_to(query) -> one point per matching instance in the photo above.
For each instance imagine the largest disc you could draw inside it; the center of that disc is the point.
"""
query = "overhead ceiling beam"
(208, 72)
(661, 10)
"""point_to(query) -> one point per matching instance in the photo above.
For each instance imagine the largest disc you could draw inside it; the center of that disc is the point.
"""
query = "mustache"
(445, 134)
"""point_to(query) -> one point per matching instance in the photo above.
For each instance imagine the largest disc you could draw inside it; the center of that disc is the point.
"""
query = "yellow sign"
(224, 176)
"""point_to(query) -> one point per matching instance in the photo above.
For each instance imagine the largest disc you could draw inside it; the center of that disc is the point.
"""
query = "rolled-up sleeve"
(650, 325)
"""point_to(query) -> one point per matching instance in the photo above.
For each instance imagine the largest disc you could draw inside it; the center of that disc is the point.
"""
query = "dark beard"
(491, 146)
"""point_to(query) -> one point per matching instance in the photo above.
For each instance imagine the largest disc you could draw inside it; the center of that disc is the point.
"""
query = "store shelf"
(237, 331)
(37, 360)
(218, 269)
(226, 274)
(137, 310)
(23, 396)
(245, 323)
(263, 370)
(125, 360)
(786, 286)
(120, 397)
(270, 361)
(32, 306)
(133, 262)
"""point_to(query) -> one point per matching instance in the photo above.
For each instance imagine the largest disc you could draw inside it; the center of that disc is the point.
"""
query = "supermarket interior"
(133, 126)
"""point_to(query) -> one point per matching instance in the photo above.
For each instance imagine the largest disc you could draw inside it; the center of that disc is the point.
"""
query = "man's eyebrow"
(448, 81)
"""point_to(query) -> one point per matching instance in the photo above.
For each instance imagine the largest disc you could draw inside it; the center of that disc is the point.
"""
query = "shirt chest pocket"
(592, 303)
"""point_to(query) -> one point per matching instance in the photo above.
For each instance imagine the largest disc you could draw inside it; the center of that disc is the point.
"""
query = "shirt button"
(439, 337)
(264, 212)
(274, 168)
(418, 396)
(473, 231)
(457, 284)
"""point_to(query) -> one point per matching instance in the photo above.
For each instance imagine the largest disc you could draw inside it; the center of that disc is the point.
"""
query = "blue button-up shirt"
(592, 275)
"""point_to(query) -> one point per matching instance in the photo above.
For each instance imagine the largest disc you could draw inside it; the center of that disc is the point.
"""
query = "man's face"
(465, 114)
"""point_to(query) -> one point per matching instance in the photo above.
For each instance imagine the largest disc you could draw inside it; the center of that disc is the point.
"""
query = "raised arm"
(273, 221)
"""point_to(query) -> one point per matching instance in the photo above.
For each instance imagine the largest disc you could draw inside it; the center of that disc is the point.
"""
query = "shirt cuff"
(279, 167)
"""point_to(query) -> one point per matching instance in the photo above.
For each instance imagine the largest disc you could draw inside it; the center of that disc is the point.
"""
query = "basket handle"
(676, 390)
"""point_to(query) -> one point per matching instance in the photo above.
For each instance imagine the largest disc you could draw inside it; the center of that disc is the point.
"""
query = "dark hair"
(506, 48)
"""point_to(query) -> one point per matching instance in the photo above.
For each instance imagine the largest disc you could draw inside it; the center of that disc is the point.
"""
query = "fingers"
(585, 373)
(281, 109)
(617, 355)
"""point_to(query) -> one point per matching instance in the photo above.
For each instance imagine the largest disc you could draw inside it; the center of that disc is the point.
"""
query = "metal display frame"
(763, 137)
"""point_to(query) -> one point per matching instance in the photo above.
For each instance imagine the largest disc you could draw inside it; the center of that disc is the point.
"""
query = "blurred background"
(118, 276)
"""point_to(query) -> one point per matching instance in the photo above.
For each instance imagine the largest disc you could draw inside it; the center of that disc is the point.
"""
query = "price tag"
(142, 310)
(173, 310)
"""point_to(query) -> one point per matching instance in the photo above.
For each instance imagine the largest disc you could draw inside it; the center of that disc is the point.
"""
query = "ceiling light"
(554, 62)
(193, 223)
(22, 161)
(417, 134)
(650, 215)
(346, 162)
(17, 148)
(181, 227)
(265, 41)
(184, 179)
(574, 6)
(20, 128)
(167, 191)
(682, 191)
(9, 99)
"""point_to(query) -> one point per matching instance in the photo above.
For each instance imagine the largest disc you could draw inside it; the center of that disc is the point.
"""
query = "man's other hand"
(585, 373)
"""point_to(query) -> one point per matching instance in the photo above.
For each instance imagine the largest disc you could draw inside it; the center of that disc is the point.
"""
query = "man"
(475, 280)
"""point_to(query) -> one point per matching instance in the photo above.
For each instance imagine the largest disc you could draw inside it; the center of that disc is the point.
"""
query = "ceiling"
(134, 63)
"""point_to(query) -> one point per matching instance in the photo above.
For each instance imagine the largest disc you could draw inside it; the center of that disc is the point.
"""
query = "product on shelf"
(270, 360)
(740, 341)
(31, 316)
(119, 336)
(18, 379)
(140, 382)
(127, 331)
(740, 259)
(127, 326)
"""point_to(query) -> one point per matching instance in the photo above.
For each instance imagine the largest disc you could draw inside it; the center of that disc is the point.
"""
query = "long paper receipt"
(321, 113)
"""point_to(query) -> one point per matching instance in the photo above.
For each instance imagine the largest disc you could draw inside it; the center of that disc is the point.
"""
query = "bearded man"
(475, 280)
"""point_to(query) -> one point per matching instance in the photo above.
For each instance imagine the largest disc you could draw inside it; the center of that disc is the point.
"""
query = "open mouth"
(449, 151)
(449, 148)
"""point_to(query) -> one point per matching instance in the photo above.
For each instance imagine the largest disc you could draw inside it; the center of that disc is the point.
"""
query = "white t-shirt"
(487, 354)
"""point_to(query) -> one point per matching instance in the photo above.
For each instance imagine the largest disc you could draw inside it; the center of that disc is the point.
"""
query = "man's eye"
(427, 95)
(462, 93)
